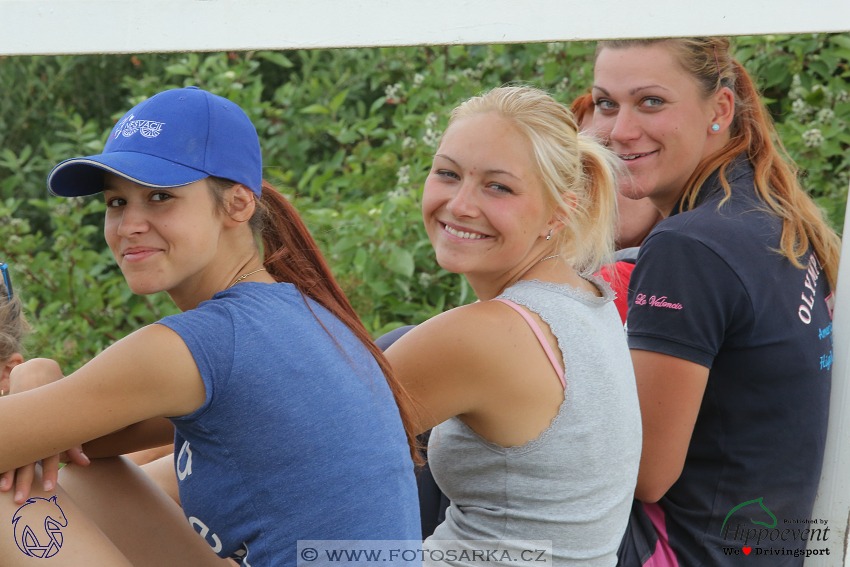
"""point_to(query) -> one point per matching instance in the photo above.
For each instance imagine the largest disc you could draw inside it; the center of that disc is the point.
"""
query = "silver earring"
(549, 236)
(715, 127)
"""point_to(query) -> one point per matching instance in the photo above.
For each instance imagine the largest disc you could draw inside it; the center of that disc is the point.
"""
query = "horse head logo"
(748, 502)
(38, 527)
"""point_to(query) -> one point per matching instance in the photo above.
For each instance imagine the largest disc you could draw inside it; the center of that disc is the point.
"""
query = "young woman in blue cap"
(287, 421)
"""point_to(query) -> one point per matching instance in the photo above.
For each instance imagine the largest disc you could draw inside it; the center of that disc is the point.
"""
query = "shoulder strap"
(539, 334)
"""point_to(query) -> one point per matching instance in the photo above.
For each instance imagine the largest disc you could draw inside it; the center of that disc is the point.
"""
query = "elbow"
(652, 487)
(650, 494)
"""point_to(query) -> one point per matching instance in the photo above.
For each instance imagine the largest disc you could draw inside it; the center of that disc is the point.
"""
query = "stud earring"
(549, 236)
(715, 127)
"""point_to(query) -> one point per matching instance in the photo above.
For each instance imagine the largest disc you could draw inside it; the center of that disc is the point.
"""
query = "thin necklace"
(549, 258)
(240, 278)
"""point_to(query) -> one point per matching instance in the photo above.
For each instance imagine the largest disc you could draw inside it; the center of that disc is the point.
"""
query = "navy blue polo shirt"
(710, 287)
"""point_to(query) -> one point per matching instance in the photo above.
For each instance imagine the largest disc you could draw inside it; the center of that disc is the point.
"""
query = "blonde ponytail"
(591, 227)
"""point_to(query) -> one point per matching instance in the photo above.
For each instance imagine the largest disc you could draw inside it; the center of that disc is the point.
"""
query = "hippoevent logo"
(770, 533)
(38, 527)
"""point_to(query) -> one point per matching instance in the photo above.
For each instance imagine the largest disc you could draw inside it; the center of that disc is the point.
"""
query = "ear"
(723, 110)
(560, 216)
(6, 367)
(240, 205)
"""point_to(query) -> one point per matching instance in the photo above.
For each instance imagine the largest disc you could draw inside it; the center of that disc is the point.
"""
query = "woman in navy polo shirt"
(729, 309)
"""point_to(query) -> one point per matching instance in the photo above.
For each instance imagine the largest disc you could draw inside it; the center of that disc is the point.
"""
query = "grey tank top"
(573, 485)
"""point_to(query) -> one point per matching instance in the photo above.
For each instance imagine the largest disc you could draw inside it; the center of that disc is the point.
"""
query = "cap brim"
(78, 177)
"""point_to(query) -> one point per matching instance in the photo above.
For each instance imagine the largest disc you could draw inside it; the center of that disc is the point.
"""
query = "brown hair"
(579, 175)
(13, 326)
(291, 255)
(582, 106)
(708, 61)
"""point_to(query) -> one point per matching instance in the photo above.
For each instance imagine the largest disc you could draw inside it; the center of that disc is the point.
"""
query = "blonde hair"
(708, 61)
(579, 175)
(13, 326)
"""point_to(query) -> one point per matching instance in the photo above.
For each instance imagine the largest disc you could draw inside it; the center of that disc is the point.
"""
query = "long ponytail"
(776, 180)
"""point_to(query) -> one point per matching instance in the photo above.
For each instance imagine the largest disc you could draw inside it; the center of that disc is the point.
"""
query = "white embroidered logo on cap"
(148, 128)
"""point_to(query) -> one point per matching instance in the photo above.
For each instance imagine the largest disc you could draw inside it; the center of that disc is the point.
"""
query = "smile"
(138, 254)
(462, 234)
(630, 157)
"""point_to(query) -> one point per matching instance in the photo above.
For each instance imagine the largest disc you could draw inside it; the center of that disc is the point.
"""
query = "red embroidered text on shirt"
(640, 299)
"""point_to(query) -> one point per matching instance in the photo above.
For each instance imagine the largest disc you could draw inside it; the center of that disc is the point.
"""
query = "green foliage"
(348, 136)
(74, 296)
(805, 82)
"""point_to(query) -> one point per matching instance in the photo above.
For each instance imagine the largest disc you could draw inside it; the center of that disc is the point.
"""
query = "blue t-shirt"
(710, 287)
(299, 437)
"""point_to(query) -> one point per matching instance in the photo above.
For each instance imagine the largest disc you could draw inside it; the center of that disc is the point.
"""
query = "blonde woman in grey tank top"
(537, 432)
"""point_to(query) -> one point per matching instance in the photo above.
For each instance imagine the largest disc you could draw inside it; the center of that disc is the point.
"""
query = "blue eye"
(653, 101)
(604, 104)
(501, 188)
(447, 173)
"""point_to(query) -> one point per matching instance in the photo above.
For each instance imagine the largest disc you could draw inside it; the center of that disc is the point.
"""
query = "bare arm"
(153, 432)
(150, 373)
(483, 364)
(427, 361)
(670, 391)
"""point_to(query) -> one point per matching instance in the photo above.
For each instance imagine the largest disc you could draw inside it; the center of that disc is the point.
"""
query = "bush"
(348, 136)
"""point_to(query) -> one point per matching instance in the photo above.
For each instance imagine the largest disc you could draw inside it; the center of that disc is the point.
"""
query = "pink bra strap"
(539, 334)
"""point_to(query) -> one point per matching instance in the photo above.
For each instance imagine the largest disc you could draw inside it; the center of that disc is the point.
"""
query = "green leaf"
(178, 70)
(840, 39)
(551, 71)
(377, 104)
(400, 261)
(275, 57)
(337, 101)
(315, 109)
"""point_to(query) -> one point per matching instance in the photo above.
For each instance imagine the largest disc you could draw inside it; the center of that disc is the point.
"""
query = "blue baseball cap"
(174, 138)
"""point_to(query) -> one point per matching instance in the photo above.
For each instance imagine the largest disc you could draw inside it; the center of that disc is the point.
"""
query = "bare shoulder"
(151, 363)
(461, 362)
(479, 328)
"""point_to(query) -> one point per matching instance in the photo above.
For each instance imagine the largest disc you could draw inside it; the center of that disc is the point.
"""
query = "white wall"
(132, 26)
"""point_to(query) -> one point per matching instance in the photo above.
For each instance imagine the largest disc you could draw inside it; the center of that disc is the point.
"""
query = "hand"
(28, 376)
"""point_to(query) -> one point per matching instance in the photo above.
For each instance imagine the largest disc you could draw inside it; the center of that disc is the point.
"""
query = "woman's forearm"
(153, 432)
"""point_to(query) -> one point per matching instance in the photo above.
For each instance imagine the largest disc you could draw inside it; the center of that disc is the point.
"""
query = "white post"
(833, 499)
(39, 27)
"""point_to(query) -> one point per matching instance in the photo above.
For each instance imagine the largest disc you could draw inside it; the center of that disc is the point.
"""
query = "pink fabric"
(539, 334)
(663, 555)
